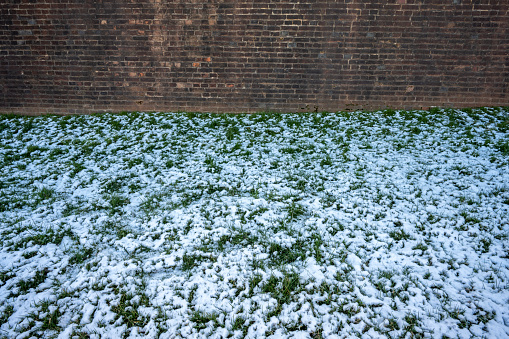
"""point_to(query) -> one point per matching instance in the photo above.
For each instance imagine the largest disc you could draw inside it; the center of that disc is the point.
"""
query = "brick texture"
(82, 56)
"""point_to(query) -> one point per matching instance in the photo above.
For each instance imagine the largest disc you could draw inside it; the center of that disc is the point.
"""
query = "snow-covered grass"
(327, 225)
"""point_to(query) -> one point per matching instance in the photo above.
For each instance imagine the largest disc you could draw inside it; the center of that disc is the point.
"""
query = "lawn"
(387, 224)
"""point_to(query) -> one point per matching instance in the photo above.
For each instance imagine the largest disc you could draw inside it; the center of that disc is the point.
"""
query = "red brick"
(243, 56)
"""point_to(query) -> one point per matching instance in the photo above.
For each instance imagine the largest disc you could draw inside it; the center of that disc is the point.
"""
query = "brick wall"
(79, 56)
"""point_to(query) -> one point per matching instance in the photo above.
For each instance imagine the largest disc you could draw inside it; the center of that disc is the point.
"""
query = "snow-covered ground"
(380, 224)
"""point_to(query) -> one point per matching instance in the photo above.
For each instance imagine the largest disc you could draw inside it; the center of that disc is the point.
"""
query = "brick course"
(246, 56)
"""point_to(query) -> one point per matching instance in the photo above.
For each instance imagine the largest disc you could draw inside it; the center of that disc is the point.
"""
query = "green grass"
(25, 285)
(203, 225)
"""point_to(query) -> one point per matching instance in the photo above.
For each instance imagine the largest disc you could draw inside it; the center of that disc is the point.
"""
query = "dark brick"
(73, 56)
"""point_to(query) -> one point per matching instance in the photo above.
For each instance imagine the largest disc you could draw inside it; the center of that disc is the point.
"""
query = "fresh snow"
(326, 225)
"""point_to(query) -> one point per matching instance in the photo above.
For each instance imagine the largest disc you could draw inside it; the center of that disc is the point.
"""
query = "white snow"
(339, 225)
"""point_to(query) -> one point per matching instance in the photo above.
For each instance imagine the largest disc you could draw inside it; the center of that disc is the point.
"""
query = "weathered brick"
(72, 56)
